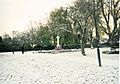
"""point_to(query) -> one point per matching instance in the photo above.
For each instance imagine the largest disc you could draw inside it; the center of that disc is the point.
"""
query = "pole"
(13, 41)
(97, 36)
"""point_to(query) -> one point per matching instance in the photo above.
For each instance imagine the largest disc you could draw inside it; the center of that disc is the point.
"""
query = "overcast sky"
(15, 15)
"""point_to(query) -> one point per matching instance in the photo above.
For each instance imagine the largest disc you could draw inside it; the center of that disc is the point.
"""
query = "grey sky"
(16, 14)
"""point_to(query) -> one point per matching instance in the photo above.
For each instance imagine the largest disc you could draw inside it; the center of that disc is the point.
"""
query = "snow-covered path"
(61, 68)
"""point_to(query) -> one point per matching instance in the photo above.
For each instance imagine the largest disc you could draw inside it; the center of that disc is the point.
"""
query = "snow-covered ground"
(61, 68)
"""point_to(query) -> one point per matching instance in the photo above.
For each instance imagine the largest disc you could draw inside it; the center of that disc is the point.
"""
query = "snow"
(61, 68)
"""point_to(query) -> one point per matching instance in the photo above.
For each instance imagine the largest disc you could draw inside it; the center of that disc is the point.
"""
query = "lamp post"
(13, 32)
(97, 35)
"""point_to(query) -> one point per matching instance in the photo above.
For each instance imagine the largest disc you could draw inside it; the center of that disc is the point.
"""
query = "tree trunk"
(54, 39)
(83, 46)
(91, 40)
(110, 40)
(83, 50)
(111, 35)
